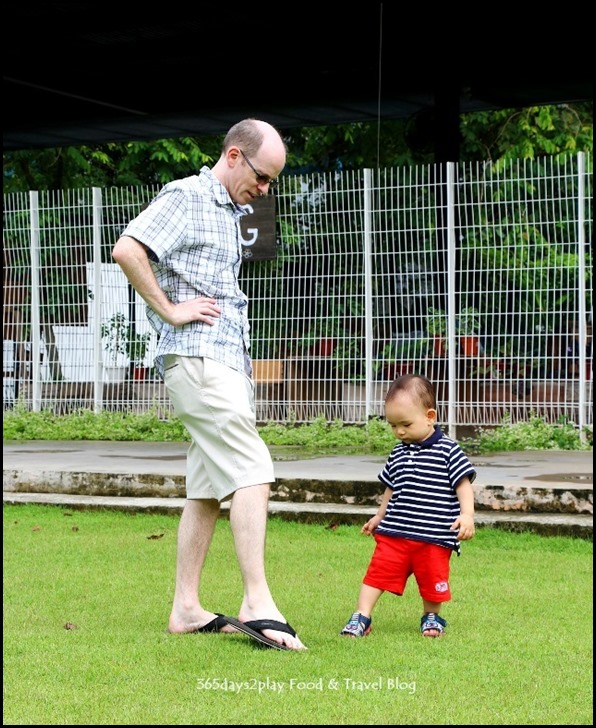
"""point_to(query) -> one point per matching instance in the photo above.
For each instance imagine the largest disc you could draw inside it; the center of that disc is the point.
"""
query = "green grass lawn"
(87, 596)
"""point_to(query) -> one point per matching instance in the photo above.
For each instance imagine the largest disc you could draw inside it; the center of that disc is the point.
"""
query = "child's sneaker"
(358, 626)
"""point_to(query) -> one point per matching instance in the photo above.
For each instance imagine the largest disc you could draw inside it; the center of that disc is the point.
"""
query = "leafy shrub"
(319, 436)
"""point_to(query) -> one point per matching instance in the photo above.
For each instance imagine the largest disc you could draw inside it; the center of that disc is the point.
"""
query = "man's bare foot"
(288, 640)
(207, 622)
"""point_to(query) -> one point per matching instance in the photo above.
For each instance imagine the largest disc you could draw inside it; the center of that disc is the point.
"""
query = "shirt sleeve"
(162, 226)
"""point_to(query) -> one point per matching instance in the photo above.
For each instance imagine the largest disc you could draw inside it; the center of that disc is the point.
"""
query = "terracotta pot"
(323, 347)
(439, 346)
(399, 368)
(470, 345)
(140, 374)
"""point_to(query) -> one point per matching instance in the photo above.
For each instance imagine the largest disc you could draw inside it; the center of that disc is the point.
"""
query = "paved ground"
(549, 491)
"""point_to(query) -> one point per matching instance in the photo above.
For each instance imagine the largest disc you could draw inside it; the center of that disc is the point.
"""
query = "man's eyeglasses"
(262, 179)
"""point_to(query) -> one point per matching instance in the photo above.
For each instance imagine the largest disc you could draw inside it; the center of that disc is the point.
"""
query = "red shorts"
(395, 559)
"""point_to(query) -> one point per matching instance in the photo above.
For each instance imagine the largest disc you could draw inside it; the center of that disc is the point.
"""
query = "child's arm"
(465, 522)
(371, 525)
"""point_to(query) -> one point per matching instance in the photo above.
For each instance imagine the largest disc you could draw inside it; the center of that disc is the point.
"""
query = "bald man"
(182, 254)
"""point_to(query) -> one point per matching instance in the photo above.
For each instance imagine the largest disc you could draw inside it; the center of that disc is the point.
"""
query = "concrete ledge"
(507, 498)
(328, 514)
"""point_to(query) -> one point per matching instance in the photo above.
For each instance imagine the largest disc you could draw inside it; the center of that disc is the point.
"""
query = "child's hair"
(416, 386)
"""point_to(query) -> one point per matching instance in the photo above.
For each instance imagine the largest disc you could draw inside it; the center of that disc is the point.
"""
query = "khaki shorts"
(216, 405)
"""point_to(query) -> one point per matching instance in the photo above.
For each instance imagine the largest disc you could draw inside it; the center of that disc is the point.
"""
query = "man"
(182, 255)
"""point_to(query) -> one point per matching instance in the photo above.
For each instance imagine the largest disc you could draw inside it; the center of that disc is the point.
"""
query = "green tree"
(536, 131)
(130, 163)
(350, 146)
(495, 136)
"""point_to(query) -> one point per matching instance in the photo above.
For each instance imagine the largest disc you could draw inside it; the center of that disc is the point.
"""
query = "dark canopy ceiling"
(78, 73)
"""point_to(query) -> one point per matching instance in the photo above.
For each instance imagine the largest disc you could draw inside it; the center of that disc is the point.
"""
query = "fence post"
(35, 302)
(97, 206)
(368, 305)
(582, 328)
(451, 361)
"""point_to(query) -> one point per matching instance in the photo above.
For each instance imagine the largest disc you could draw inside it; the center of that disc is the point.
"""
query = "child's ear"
(431, 414)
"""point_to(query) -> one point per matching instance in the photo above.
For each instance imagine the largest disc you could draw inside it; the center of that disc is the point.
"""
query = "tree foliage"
(528, 133)
(496, 136)
(129, 163)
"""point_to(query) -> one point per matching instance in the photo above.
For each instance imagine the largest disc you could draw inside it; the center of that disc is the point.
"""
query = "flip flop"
(254, 629)
(215, 625)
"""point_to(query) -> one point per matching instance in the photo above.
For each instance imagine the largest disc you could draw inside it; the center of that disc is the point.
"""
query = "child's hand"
(371, 525)
(466, 527)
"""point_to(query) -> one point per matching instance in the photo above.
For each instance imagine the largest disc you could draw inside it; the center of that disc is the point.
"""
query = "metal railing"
(477, 276)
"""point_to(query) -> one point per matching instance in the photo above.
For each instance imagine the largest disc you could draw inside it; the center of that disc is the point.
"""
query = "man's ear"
(232, 155)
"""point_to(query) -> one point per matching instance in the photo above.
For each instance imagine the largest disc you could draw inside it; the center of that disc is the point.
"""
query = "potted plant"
(402, 357)
(436, 327)
(122, 343)
(136, 349)
(468, 327)
(114, 334)
(322, 338)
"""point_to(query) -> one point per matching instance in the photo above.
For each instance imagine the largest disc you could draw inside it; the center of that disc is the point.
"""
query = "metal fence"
(478, 276)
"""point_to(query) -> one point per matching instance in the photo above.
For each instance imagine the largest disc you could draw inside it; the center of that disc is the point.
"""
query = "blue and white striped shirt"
(192, 228)
(423, 477)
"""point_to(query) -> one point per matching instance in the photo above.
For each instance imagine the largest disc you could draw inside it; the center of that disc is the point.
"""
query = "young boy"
(426, 510)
